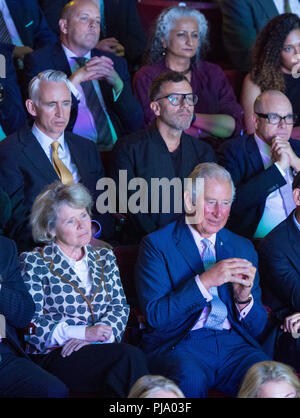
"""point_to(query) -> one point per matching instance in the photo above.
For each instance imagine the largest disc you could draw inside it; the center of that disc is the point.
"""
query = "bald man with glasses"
(262, 167)
(160, 151)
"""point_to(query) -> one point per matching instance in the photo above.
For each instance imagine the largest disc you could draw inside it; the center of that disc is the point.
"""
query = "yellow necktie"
(63, 173)
(287, 6)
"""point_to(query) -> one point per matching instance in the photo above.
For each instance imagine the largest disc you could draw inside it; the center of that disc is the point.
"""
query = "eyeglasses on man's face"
(176, 99)
(275, 119)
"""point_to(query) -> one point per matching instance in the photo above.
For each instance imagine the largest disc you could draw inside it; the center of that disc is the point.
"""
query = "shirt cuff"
(203, 290)
(74, 90)
(64, 332)
(244, 312)
(282, 172)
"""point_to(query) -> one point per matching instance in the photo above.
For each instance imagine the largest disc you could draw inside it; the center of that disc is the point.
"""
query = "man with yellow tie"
(33, 158)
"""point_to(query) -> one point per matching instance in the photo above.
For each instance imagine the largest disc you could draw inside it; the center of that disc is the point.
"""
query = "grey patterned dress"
(59, 295)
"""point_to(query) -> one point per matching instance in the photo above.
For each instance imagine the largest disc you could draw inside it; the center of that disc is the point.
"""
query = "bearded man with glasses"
(262, 167)
(162, 151)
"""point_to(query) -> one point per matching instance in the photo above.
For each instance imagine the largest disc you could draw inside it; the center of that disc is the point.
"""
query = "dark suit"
(145, 154)
(241, 157)
(12, 112)
(126, 113)
(242, 21)
(25, 170)
(171, 301)
(279, 256)
(19, 376)
(30, 23)
(121, 22)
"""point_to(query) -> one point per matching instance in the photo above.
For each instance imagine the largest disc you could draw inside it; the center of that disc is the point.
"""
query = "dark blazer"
(12, 112)
(241, 157)
(30, 23)
(16, 303)
(121, 19)
(126, 113)
(279, 256)
(242, 21)
(25, 170)
(168, 295)
(145, 154)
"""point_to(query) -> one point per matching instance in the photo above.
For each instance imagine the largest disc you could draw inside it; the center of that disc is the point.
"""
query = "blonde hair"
(147, 385)
(266, 371)
(47, 204)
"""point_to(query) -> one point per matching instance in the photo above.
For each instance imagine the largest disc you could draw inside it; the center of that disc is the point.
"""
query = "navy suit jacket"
(121, 19)
(168, 294)
(242, 21)
(241, 157)
(12, 112)
(30, 23)
(25, 170)
(279, 256)
(145, 154)
(126, 113)
(16, 303)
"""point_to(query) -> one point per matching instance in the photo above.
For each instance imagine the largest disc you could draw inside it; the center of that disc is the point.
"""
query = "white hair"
(47, 76)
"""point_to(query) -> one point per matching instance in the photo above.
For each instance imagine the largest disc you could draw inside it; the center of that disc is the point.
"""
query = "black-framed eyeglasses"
(275, 119)
(177, 99)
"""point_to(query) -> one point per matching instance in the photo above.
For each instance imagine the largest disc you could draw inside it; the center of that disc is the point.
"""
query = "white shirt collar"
(45, 140)
(70, 55)
(198, 237)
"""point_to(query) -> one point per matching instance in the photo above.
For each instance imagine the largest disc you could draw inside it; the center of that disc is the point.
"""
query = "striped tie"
(218, 312)
(4, 34)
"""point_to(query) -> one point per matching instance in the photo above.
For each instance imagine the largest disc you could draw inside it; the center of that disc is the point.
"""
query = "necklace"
(184, 72)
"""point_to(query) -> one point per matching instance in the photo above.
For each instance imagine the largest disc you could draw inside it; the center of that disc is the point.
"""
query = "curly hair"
(266, 54)
(164, 24)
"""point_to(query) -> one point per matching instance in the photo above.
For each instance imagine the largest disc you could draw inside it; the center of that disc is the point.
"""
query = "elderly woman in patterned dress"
(80, 307)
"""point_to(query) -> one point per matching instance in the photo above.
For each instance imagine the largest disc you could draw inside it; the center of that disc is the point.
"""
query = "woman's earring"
(164, 52)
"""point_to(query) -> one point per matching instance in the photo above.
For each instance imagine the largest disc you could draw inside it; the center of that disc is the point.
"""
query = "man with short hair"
(162, 152)
(262, 167)
(198, 288)
(103, 104)
(279, 255)
(33, 158)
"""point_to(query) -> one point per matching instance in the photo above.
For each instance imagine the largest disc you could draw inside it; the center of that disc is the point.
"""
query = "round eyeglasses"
(176, 99)
(274, 118)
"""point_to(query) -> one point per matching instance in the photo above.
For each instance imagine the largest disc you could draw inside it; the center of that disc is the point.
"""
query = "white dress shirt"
(294, 5)
(63, 332)
(205, 293)
(85, 124)
(11, 27)
(63, 151)
(274, 211)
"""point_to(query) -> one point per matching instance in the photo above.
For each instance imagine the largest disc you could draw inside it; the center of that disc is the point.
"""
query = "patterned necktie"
(4, 33)
(218, 312)
(287, 6)
(97, 107)
(63, 173)
(287, 196)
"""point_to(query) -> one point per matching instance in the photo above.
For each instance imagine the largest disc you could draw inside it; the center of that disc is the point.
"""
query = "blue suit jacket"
(241, 157)
(126, 113)
(30, 23)
(25, 170)
(12, 112)
(168, 295)
(16, 303)
(279, 256)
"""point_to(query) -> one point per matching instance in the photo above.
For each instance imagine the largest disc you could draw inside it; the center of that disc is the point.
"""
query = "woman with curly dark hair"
(179, 43)
(275, 60)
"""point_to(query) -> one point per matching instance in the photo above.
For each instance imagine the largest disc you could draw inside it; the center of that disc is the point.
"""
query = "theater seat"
(235, 78)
